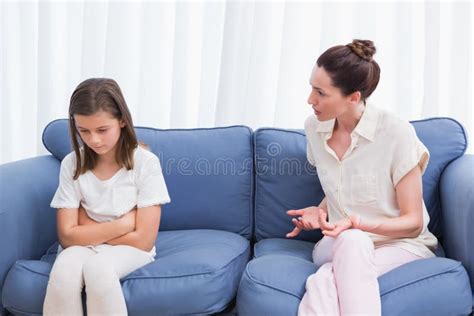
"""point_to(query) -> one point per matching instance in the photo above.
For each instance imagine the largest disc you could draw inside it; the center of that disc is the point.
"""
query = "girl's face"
(326, 100)
(99, 131)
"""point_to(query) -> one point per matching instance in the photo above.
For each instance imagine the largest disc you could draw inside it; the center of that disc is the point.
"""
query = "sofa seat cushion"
(274, 283)
(278, 246)
(194, 272)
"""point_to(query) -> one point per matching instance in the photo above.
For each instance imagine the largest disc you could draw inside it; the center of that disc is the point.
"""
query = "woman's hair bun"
(365, 49)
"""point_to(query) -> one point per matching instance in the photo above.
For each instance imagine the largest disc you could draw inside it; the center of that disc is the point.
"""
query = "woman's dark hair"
(351, 67)
(94, 95)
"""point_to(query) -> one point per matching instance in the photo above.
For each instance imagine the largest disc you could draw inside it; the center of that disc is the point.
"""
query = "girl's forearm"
(99, 233)
(134, 239)
(399, 227)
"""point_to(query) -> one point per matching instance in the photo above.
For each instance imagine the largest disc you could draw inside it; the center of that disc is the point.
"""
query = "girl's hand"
(83, 218)
(308, 219)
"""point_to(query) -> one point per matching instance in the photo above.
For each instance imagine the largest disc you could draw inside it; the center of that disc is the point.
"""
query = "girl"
(370, 165)
(109, 205)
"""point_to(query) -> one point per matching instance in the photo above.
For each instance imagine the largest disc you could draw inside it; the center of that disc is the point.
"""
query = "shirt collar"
(368, 123)
(365, 127)
(326, 126)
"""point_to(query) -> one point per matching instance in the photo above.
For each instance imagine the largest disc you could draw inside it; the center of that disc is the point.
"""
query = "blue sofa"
(230, 188)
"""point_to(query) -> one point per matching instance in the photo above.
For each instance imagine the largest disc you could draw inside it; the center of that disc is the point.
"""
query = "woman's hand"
(309, 218)
(341, 225)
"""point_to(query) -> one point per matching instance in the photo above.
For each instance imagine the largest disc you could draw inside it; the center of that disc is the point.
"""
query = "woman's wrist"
(356, 221)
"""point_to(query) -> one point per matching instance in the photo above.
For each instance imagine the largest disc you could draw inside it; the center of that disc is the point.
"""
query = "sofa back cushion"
(285, 180)
(208, 172)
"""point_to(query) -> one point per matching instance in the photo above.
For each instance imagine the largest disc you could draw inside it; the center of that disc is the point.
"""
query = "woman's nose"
(312, 98)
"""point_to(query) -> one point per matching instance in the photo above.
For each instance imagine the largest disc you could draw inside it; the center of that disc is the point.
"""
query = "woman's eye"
(102, 130)
(320, 93)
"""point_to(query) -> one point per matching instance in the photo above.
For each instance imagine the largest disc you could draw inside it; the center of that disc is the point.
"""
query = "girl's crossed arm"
(71, 233)
(144, 236)
(147, 222)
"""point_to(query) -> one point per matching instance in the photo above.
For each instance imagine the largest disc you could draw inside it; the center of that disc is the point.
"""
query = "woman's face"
(99, 131)
(326, 100)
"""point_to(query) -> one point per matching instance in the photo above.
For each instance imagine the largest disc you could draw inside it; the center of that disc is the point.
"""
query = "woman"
(370, 165)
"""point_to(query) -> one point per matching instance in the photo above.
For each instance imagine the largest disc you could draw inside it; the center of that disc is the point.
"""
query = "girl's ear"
(122, 124)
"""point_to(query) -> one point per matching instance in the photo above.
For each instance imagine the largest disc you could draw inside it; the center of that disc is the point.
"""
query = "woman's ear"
(354, 97)
(122, 124)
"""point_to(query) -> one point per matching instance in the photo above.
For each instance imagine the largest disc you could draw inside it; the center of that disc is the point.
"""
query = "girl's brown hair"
(351, 67)
(91, 96)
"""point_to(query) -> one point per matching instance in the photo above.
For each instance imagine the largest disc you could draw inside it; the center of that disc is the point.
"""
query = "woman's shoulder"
(393, 126)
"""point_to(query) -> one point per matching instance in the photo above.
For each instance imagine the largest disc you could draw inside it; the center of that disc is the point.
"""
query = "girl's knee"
(68, 265)
(98, 270)
(99, 277)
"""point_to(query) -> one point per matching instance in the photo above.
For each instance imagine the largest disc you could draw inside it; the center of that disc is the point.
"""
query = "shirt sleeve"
(151, 184)
(408, 153)
(67, 195)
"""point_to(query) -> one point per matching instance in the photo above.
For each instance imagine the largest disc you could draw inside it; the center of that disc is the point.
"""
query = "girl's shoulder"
(69, 160)
(142, 156)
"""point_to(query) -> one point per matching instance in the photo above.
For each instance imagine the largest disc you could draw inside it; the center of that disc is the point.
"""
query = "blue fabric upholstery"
(274, 283)
(203, 244)
(196, 163)
(446, 141)
(220, 204)
(27, 224)
(284, 179)
(457, 205)
(274, 280)
(199, 267)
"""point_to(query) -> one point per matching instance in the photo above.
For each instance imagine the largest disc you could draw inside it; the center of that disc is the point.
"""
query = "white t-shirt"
(106, 200)
(383, 150)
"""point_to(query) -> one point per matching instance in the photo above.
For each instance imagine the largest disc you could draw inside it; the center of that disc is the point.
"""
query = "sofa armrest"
(457, 207)
(27, 223)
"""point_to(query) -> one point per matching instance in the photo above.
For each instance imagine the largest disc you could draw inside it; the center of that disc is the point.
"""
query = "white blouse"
(383, 150)
(106, 200)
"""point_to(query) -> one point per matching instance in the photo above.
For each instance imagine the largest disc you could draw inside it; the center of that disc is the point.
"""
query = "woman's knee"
(353, 238)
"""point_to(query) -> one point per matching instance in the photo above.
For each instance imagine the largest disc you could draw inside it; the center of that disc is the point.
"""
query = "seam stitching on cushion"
(11, 309)
(255, 225)
(29, 269)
